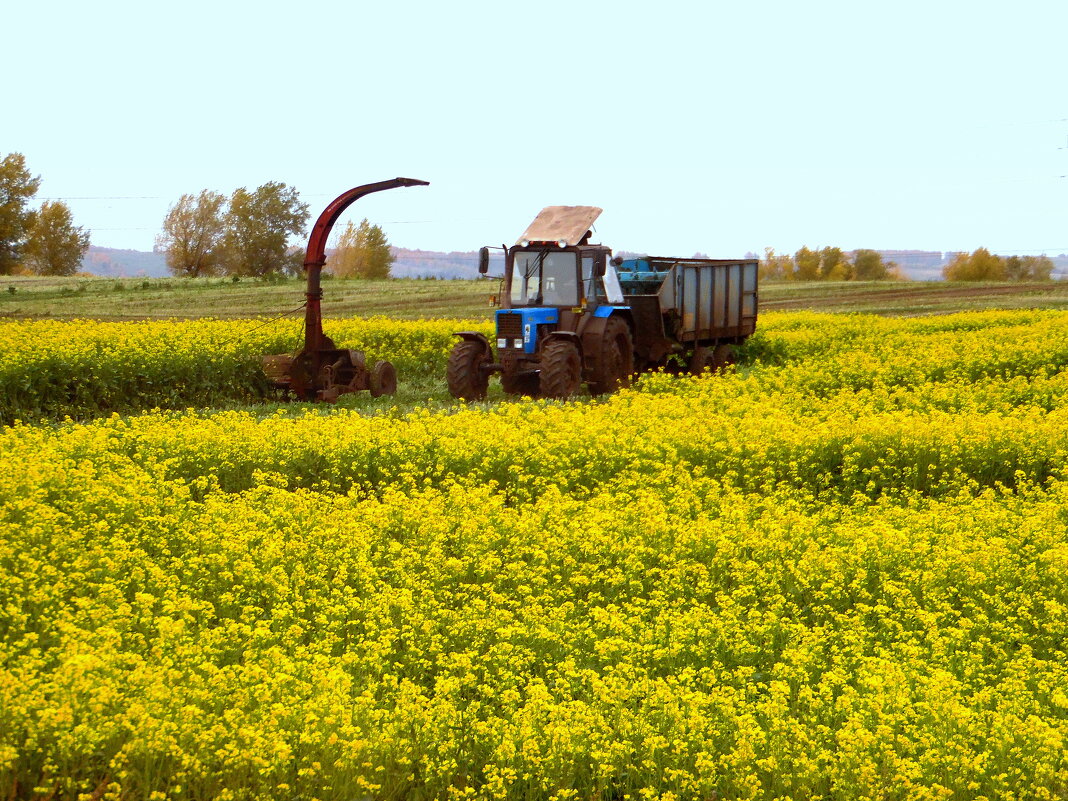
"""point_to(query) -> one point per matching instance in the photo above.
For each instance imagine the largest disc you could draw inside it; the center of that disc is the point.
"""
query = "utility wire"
(264, 324)
(102, 197)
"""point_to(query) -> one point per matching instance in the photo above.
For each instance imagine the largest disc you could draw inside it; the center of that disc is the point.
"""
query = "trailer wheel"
(464, 375)
(615, 362)
(715, 359)
(561, 369)
(383, 379)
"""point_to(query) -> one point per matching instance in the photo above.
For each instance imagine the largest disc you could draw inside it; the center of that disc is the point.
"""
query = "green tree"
(776, 268)
(342, 261)
(981, 265)
(55, 245)
(868, 265)
(834, 266)
(807, 264)
(258, 227)
(1028, 268)
(17, 186)
(193, 234)
(1037, 268)
(362, 252)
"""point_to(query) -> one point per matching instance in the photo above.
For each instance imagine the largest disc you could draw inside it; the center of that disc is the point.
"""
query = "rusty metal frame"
(321, 371)
(315, 256)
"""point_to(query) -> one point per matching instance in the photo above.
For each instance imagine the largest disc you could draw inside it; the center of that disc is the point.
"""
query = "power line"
(103, 197)
(1027, 251)
(1020, 123)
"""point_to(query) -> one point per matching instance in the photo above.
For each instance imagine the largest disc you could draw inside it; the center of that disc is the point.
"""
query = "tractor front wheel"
(465, 377)
(561, 369)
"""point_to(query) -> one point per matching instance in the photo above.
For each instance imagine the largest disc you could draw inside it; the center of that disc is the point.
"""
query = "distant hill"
(431, 264)
(919, 265)
(114, 263)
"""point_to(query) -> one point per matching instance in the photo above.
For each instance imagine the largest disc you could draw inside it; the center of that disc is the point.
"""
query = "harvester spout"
(321, 371)
(315, 256)
(316, 253)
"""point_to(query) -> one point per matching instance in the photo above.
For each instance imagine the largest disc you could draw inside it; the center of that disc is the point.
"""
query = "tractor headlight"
(562, 243)
(502, 343)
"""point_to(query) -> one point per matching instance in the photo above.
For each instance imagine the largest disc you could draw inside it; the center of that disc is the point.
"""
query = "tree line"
(834, 264)
(245, 234)
(248, 234)
(982, 265)
(828, 264)
(43, 241)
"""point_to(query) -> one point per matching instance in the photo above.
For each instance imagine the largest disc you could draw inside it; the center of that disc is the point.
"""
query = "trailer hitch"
(322, 371)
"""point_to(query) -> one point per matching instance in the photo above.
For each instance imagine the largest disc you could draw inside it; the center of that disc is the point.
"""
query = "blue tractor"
(571, 314)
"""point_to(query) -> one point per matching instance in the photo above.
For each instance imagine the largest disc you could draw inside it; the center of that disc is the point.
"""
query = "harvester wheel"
(383, 379)
(561, 369)
(465, 378)
(616, 359)
(357, 360)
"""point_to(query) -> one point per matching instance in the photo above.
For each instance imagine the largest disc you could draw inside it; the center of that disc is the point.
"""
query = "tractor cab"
(553, 277)
(540, 276)
(553, 265)
(544, 277)
(562, 319)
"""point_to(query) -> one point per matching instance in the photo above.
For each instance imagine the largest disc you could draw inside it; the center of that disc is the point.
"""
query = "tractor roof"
(561, 223)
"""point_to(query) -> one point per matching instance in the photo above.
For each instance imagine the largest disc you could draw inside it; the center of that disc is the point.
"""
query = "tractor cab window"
(589, 286)
(526, 279)
(545, 278)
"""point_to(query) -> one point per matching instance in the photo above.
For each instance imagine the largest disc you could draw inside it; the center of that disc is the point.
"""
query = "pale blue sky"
(713, 127)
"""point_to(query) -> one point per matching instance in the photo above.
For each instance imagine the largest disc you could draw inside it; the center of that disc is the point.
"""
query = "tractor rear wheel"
(465, 377)
(615, 363)
(561, 369)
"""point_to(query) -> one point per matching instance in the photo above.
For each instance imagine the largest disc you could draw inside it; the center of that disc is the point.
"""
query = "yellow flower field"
(51, 368)
(836, 573)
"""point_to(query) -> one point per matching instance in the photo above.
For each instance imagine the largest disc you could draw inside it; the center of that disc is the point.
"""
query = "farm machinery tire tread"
(561, 369)
(465, 378)
(615, 363)
(383, 379)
